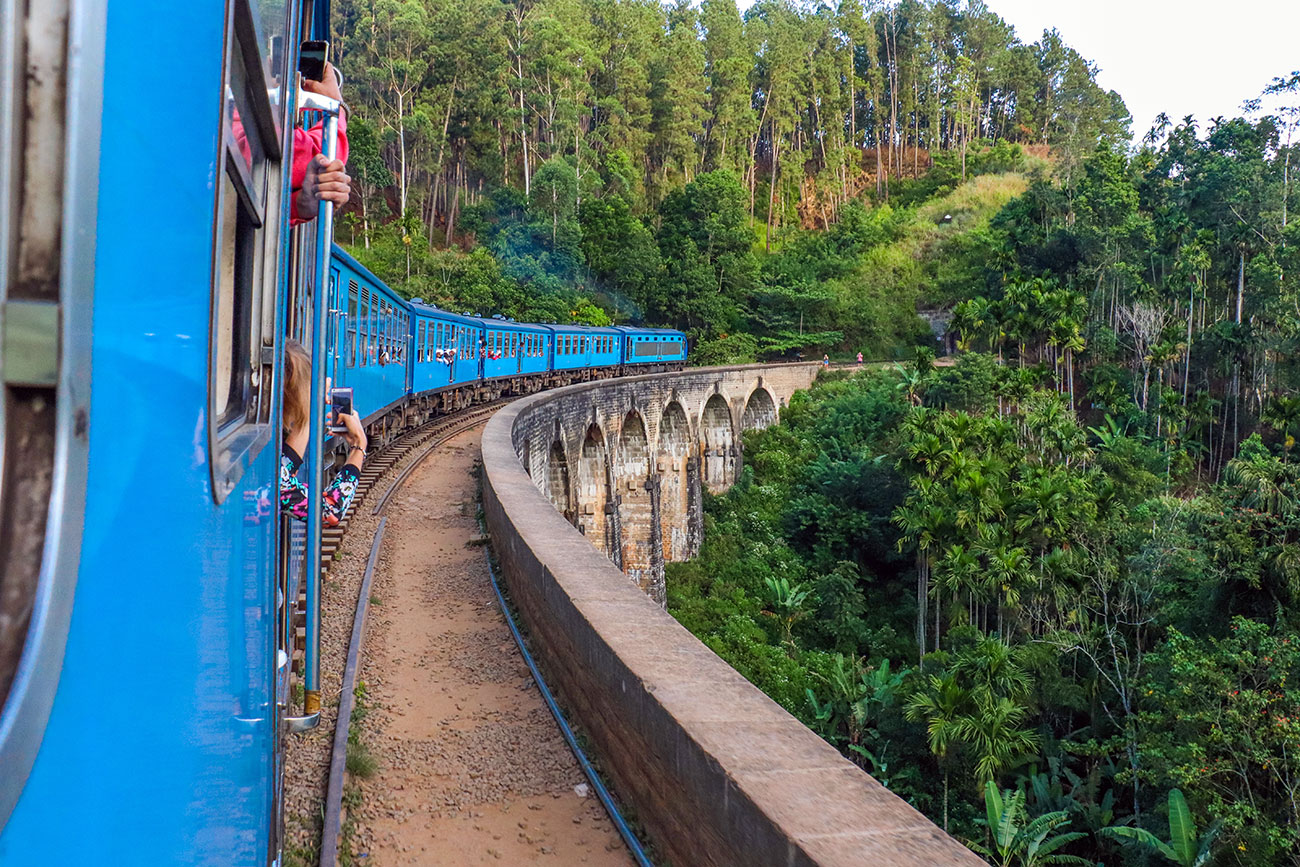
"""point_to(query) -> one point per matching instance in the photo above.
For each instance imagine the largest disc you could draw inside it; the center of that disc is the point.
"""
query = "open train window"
(249, 159)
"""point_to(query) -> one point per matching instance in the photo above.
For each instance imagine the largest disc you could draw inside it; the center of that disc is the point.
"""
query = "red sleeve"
(306, 144)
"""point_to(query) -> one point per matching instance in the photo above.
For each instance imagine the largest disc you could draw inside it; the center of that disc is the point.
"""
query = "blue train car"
(376, 337)
(571, 348)
(446, 348)
(139, 675)
(606, 347)
(653, 346)
(513, 348)
(145, 676)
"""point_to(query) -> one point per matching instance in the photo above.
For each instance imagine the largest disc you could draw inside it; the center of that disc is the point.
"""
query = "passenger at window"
(297, 407)
(314, 178)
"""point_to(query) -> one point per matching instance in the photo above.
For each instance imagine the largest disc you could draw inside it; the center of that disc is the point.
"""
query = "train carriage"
(653, 346)
(513, 348)
(140, 720)
(447, 348)
(148, 628)
(571, 347)
(376, 332)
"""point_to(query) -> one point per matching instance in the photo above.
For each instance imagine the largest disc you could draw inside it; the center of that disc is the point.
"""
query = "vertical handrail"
(316, 420)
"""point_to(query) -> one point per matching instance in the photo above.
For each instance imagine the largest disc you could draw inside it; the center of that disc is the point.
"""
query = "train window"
(248, 169)
(350, 357)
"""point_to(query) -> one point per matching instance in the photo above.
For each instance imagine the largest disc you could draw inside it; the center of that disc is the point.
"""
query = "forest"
(1044, 588)
(1047, 590)
(630, 161)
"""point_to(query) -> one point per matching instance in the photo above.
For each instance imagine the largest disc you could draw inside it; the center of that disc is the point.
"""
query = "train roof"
(512, 325)
(431, 310)
(581, 329)
(628, 329)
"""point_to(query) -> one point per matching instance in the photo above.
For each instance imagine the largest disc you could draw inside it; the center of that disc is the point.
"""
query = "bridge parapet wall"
(718, 773)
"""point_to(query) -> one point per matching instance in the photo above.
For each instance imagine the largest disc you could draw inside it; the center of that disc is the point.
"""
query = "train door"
(335, 318)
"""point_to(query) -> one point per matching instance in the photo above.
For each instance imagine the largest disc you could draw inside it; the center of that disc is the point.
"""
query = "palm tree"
(940, 705)
(991, 728)
(1018, 839)
(1283, 415)
(1184, 848)
(923, 523)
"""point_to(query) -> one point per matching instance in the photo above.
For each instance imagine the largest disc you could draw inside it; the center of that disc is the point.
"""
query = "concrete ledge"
(718, 773)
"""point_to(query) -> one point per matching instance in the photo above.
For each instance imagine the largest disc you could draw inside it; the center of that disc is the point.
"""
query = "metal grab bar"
(315, 444)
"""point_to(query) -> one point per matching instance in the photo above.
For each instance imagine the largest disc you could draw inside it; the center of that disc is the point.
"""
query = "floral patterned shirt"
(293, 490)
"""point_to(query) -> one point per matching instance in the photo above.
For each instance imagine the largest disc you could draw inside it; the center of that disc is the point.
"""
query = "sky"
(1199, 57)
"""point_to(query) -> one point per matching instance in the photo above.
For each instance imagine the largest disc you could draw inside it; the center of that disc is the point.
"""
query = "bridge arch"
(717, 444)
(760, 410)
(635, 505)
(674, 485)
(557, 481)
(593, 488)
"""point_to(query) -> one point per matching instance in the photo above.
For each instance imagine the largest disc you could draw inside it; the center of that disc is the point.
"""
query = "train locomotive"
(149, 280)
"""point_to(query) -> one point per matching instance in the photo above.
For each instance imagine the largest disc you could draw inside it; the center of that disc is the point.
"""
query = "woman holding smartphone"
(297, 407)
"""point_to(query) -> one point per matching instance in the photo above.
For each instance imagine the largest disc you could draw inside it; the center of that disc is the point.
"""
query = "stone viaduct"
(717, 772)
(625, 460)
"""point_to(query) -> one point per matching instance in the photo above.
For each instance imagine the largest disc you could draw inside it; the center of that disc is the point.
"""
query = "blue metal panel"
(510, 341)
(605, 346)
(160, 741)
(572, 347)
(669, 345)
(378, 378)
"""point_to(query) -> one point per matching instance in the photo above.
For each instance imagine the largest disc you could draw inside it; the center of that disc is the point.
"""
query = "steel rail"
(333, 824)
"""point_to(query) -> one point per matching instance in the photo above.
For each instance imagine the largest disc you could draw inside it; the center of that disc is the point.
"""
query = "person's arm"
(293, 491)
(338, 496)
(314, 178)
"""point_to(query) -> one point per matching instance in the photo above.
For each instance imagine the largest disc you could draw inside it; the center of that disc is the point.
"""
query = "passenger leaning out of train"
(315, 178)
(297, 406)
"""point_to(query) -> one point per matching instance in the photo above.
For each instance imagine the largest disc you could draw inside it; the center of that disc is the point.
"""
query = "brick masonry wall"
(718, 773)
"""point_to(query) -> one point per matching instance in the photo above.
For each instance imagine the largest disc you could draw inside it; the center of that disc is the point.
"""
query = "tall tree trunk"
(771, 186)
(401, 146)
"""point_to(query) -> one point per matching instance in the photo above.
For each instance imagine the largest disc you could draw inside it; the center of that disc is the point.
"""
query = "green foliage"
(1184, 848)
(1019, 840)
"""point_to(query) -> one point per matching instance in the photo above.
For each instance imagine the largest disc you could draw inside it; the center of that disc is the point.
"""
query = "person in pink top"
(314, 178)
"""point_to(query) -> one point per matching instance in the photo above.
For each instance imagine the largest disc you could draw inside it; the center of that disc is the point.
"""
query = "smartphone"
(340, 405)
(312, 57)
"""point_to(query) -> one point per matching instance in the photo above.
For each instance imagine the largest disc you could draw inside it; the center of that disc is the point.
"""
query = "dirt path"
(471, 766)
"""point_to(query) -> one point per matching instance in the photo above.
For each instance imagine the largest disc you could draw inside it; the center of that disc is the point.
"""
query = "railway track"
(422, 440)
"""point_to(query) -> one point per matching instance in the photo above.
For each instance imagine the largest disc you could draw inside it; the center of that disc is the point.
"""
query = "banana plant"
(1184, 848)
(1019, 841)
(788, 606)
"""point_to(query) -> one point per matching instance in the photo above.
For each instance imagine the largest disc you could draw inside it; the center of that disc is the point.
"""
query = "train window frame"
(350, 324)
(243, 277)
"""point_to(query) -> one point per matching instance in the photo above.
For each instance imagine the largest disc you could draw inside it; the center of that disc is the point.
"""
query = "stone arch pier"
(629, 458)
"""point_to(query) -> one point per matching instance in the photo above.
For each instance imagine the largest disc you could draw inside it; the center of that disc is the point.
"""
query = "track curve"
(472, 769)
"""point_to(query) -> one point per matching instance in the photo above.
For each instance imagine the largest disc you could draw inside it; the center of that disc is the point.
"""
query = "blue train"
(149, 278)
(408, 361)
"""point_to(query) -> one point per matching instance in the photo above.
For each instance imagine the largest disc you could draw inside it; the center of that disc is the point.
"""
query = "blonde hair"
(297, 385)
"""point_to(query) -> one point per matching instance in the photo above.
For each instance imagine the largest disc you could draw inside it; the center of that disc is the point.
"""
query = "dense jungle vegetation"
(1048, 591)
